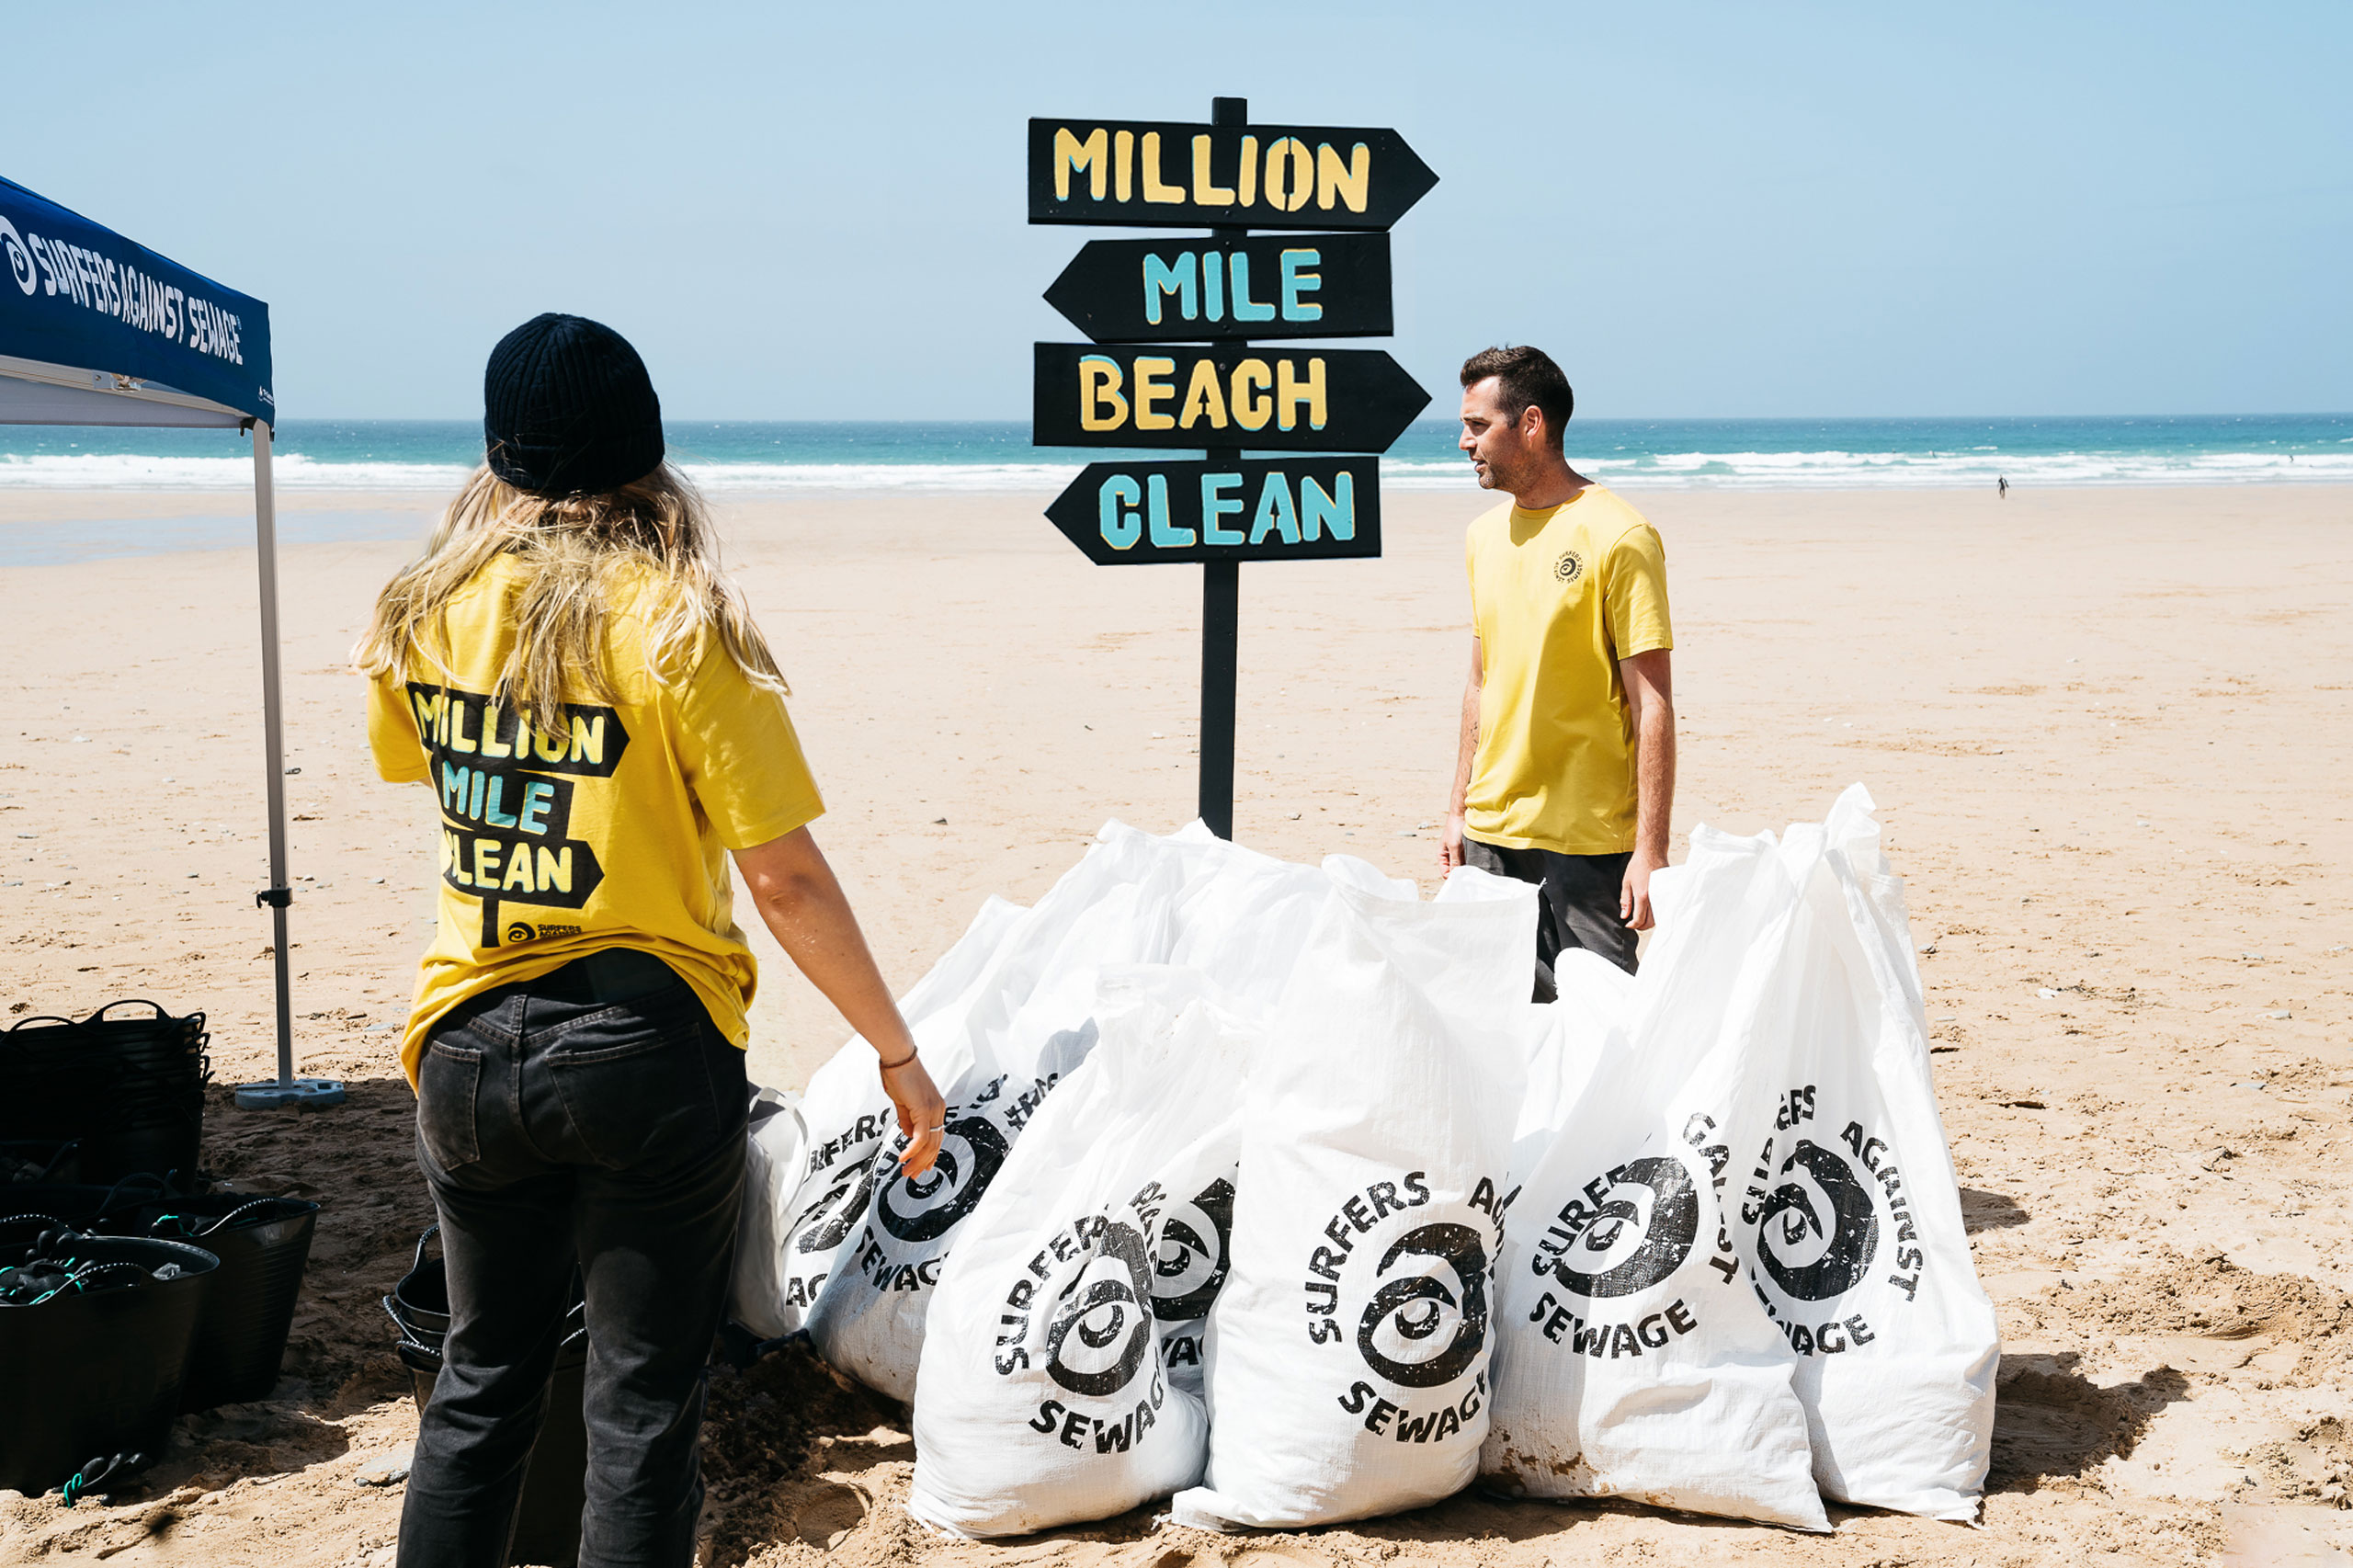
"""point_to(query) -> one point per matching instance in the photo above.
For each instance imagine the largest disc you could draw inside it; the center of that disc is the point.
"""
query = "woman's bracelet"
(913, 1052)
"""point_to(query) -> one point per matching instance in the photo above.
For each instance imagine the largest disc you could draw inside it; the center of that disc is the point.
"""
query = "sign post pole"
(1220, 615)
(1221, 610)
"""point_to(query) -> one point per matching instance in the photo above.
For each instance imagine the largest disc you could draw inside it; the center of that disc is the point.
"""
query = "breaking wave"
(748, 458)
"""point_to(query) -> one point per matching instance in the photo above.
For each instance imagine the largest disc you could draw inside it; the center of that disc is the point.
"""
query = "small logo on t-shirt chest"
(1570, 567)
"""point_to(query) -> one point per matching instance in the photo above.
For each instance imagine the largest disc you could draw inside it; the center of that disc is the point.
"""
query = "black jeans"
(551, 1128)
(1576, 908)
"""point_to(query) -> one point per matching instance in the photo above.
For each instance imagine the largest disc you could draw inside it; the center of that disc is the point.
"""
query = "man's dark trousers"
(1576, 903)
(556, 1123)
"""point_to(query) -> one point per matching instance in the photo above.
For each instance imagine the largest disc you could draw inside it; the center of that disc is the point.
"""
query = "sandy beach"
(2110, 730)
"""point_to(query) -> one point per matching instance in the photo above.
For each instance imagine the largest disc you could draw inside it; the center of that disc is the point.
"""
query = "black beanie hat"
(568, 409)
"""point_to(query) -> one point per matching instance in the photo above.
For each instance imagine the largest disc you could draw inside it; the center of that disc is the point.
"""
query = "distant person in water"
(2005, 482)
(1566, 770)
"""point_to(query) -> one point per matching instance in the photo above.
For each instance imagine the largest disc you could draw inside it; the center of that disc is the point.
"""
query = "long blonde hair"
(647, 547)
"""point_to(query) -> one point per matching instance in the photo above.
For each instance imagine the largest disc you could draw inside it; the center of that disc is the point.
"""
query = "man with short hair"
(1567, 774)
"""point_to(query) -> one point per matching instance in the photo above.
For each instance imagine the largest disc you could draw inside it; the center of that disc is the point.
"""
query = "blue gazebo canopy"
(96, 329)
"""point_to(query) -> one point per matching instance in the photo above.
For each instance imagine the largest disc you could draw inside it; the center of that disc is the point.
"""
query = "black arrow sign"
(1291, 400)
(1166, 174)
(1177, 290)
(1145, 514)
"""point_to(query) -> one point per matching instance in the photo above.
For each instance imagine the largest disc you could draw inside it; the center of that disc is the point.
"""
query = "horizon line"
(1591, 419)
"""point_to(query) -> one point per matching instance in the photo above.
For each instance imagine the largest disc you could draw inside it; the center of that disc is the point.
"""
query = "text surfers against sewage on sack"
(1423, 1322)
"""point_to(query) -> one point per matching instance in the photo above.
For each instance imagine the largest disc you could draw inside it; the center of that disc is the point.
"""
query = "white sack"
(808, 1168)
(1041, 1399)
(1189, 1271)
(1243, 921)
(1849, 1212)
(1633, 1357)
(776, 1147)
(1566, 1038)
(1027, 1023)
(1347, 1351)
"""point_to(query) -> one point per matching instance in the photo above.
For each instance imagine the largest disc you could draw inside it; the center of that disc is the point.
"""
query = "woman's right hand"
(923, 1114)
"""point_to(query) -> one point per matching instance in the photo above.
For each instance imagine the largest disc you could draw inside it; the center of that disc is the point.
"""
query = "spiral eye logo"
(1640, 1233)
(519, 932)
(1403, 1335)
(839, 1209)
(1570, 567)
(1102, 1329)
(20, 259)
(1819, 1230)
(924, 1208)
(1192, 1265)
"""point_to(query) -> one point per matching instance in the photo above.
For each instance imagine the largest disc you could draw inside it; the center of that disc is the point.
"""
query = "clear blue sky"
(806, 212)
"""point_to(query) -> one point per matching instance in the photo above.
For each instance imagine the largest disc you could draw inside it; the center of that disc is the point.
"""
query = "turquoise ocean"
(743, 456)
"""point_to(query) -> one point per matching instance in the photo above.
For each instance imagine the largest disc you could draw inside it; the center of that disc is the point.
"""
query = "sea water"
(745, 457)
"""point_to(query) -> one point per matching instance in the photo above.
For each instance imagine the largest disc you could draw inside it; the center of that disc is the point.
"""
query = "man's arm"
(1449, 846)
(1650, 692)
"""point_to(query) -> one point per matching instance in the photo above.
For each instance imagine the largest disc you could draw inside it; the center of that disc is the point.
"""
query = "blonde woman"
(599, 719)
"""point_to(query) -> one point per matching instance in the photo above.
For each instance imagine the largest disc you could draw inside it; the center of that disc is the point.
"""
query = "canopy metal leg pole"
(287, 1089)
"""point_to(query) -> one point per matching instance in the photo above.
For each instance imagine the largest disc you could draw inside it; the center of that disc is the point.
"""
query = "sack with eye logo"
(805, 1155)
(1041, 1399)
(776, 1141)
(1848, 1211)
(1347, 1351)
(1243, 921)
(1029, 1023)
(1195, 1239)
(1232, 909)
(1632, 1358)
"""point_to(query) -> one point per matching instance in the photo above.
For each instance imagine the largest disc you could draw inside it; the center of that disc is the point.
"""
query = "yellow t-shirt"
(611, 835)
(1557, 597)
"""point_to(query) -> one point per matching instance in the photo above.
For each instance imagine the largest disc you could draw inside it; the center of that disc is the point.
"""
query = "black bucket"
(131, 1089)
(547, 1516)
(263, 1244)
(39, 1161)
(27, 1209)
(94, 1372)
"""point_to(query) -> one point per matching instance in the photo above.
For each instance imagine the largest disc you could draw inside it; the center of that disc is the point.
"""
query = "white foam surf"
(1914, 471)
(1830, 470)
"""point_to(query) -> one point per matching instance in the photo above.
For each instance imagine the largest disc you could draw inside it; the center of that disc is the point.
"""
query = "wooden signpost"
(1123, 390)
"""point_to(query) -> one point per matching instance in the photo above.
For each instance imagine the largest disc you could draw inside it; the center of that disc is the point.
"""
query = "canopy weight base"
(304, 1094)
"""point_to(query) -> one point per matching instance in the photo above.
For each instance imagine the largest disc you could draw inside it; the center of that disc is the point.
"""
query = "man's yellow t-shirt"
(611, 835)
(1557, 597)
